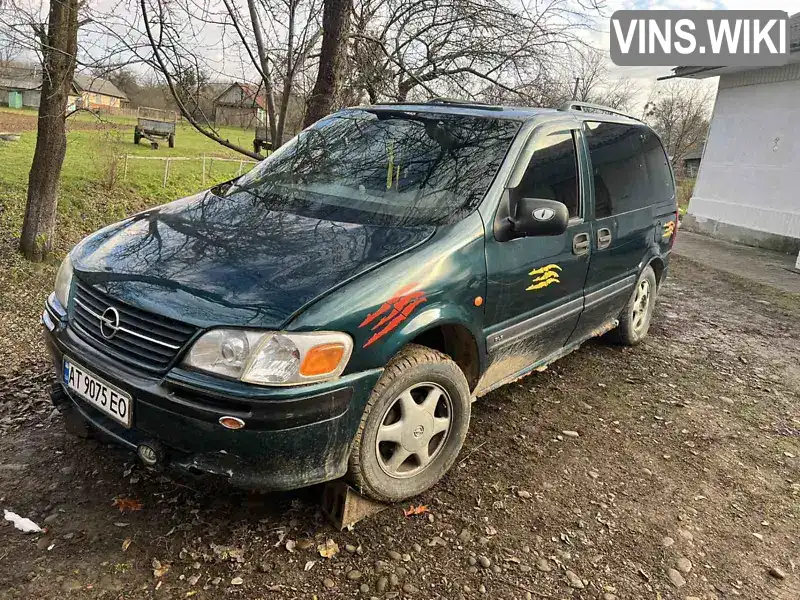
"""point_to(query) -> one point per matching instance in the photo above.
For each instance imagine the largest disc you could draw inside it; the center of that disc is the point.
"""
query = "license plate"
(99, 393)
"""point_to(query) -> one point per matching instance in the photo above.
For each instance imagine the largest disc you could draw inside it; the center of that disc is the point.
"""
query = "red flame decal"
(393, 312)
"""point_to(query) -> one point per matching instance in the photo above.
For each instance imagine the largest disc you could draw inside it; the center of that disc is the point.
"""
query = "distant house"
(21, 87)
(748, 181)
(691, 162)
(97, 93)
(20, 84)
(240, 105)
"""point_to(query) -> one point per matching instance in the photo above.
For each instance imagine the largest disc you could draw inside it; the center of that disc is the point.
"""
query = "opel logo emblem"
(109, 323)
(543, 214)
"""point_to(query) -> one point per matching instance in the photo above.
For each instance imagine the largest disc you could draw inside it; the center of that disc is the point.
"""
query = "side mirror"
(537, 216)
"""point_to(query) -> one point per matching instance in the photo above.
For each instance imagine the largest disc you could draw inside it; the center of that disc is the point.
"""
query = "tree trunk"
(58, 49)
(335, 26)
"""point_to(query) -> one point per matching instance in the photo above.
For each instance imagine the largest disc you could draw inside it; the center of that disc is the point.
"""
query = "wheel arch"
(458, 342)
(659, 266)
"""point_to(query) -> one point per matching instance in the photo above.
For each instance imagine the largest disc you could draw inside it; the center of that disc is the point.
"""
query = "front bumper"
(293, 437)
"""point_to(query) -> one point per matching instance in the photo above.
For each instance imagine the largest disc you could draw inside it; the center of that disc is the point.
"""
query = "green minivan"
(334, 312)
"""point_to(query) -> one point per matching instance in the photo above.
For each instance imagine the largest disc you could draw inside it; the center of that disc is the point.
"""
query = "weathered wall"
(749, 177)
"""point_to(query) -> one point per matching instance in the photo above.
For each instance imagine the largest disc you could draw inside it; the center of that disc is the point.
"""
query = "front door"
(535, 284)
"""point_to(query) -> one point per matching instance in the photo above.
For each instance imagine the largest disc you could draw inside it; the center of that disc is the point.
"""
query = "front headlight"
(271, 358)
(64, 281)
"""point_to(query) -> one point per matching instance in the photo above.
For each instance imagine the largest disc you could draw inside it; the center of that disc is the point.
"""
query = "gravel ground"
(670, 470)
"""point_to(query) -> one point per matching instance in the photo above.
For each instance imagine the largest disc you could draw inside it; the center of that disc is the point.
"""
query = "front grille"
(143, 339)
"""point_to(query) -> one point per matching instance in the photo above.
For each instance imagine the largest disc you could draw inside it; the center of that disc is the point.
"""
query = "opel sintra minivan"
(334, 312)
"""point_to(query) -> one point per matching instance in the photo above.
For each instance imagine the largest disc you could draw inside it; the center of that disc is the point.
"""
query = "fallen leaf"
(328, 549)
(237, 581)
(415, 510)
(309, 565)
(290, 544)
(160, 571)
(127, 504)
(126, 544)
(191, 593)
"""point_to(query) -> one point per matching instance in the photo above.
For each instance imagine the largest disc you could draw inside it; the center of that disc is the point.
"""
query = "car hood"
(211, 260)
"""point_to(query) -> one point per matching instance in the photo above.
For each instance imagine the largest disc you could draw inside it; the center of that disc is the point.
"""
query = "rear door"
(624, 190)
(535, 284)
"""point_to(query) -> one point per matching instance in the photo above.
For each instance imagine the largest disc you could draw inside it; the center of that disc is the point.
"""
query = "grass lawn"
(93, 193)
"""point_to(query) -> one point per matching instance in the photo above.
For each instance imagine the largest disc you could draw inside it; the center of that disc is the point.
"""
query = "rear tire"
(413, 426)
(634, 321)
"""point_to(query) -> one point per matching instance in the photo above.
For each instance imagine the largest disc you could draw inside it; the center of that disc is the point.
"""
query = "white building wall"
(750, 173)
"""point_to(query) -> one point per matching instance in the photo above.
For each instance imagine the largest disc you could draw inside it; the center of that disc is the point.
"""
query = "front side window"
(552, 173)
(383, 167)
(621, 182)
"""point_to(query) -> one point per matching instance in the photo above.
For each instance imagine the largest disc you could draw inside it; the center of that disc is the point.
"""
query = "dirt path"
(687, 458)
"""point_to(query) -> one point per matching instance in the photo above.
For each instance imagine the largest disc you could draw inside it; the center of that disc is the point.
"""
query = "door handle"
(603, 238)
(580, 243)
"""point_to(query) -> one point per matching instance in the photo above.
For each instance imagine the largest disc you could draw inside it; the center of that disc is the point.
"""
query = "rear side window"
(629, 168)
(662, 188)
(552, 173)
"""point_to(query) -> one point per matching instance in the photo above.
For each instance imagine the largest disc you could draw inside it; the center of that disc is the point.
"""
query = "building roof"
(20, 83)
(250, 92)
(97, 85)
(28, 76)
(705, 72)
(20, 75)
(696, 154)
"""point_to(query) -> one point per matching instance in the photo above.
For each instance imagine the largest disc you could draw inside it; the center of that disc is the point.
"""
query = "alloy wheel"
(641, 305)
(413, 430)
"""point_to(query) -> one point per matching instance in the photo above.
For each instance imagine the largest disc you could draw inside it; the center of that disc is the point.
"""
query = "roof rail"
(460, 102)
(589, 107)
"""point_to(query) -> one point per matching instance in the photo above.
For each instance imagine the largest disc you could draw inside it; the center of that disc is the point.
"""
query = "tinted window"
(659, 175)
(383, 167)
(621, 181)
(553, 172)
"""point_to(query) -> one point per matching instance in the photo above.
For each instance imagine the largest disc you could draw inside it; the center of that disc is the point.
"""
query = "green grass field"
(95, 190)
(92, 195)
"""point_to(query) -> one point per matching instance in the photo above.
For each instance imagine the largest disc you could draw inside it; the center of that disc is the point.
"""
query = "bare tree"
(595, 85)
(270, 42)
(463, 46)
(59, 48)
(679, 112)
(10, 50)
(335, 26)
(583, 76)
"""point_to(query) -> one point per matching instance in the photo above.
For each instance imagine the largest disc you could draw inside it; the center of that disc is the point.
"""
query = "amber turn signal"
(322, 359)
(231, 422)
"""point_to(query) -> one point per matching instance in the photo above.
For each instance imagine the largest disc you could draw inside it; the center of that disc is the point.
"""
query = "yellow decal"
(544, 276)
(390, 167)
(669, 228)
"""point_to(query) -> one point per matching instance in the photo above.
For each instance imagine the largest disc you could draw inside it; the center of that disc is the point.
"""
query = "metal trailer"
(261, 140)
(153, 124)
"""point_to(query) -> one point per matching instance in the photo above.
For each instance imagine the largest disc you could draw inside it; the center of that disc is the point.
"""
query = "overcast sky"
(646, 76)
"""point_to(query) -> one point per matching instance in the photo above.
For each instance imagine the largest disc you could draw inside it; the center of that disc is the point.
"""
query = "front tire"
(634, 321)
(413, 426)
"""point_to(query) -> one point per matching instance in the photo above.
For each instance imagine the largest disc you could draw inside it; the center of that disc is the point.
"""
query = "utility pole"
(575, 90)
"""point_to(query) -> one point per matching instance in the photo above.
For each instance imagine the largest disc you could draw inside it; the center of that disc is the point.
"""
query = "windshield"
(379, 167)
